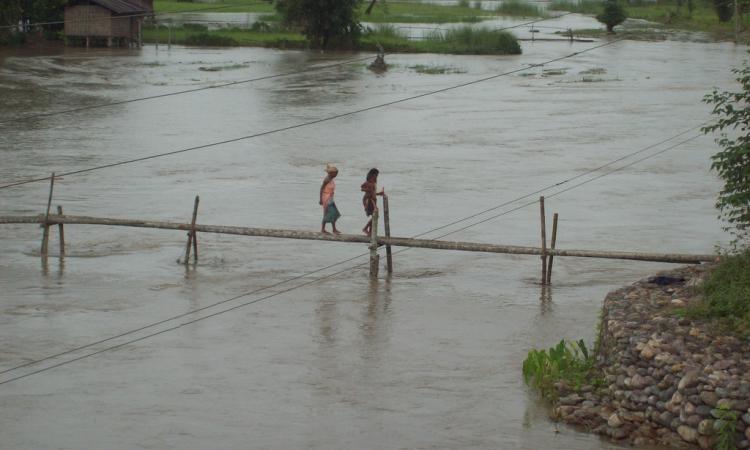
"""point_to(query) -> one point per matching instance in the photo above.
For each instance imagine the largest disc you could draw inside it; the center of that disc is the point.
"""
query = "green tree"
(10, 12)
(43, 10)
(612, 15)
(323, 21)
(732, 163)
(724, 9)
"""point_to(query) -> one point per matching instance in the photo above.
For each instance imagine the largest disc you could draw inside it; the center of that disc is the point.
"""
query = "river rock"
(687, 433)
(693, 420)
(689, 380)
(614, 421)
(706, 442)
(709, 398)
(706, 427)
(647, 353)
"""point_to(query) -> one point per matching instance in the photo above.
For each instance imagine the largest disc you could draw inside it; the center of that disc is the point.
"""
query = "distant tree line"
(33, 11)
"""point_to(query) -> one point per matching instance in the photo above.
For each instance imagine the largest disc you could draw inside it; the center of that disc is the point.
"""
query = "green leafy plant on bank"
(726, 296)
(732, 163)
(725, 428)
(567, 361)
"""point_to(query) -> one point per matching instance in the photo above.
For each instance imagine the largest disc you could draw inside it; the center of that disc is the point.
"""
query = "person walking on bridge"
(330, 212)
(370, 199)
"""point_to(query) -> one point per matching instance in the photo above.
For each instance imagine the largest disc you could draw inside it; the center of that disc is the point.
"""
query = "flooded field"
(427, 358)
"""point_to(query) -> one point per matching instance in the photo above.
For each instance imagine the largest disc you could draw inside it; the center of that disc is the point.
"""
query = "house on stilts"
(106, 22)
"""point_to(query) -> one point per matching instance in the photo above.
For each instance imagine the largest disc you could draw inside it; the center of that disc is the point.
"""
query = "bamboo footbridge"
(374, 241)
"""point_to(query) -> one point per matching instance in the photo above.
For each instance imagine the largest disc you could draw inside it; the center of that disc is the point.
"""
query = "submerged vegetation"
(435, 70)
(567, 362)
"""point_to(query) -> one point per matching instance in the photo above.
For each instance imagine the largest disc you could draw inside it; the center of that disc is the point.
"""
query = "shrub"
(468, 40)
(726, 295)
(568, 362)
(733, 162)
(612, 15)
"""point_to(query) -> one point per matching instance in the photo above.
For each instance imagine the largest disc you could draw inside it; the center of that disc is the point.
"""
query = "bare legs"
(333, 224)
(368, 228)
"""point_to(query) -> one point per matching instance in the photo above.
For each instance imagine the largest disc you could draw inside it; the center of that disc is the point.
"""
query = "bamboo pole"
(62, 232)
(192, 237)
(45, 225)
(680, 258)
(374, 257)
(552, 247)
(544, 240)
(387, 224)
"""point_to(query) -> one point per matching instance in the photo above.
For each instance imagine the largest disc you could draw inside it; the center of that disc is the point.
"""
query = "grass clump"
(412, 12)
(580, 7)
(476, 41)
(519, 8)
(162, 6)
(726, 295)
(210, 40)
(726, 428)
(569, 362)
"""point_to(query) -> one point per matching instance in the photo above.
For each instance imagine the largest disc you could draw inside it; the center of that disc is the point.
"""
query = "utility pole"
(736, 21)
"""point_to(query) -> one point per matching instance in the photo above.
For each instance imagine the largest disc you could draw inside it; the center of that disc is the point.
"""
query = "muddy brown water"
(427, 358)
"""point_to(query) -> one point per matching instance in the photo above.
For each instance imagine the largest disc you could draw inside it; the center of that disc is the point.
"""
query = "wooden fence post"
(544, 241)
(62, 232)
(387, 223)
(45, 233)
(552, 247)
(374, 257)
(192, 236)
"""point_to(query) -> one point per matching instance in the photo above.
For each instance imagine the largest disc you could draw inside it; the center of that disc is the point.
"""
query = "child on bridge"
(370, 201)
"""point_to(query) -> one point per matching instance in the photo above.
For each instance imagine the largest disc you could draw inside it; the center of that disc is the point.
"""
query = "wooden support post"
(736, 21)
(374, 257)
(544, 241)
(552, 247)
(387, 223)
(192, 236)
(45, 225)
(62, 232)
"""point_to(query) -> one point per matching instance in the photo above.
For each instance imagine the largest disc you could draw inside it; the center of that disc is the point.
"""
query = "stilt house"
(106, 22)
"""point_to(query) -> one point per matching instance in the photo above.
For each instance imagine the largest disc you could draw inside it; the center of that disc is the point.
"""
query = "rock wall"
(667, 380)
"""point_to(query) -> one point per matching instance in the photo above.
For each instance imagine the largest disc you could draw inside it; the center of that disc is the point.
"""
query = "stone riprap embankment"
(667, 380)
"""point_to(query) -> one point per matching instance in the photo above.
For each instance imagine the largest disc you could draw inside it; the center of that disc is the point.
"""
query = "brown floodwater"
(427, 358)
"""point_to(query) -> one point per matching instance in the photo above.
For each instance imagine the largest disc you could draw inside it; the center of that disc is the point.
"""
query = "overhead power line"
(179, 316)
(220, 85)
(186, 91)
(313, 122)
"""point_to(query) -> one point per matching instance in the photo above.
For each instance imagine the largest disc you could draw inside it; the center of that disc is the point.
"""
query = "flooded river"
(427, 358)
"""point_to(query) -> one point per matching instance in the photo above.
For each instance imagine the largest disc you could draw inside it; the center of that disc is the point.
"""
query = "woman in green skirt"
(330, 212)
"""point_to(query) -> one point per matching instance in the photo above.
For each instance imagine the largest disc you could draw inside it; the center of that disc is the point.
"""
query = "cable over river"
(275, 343)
